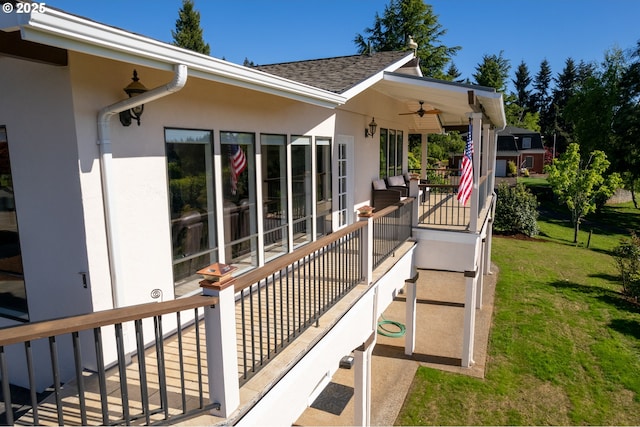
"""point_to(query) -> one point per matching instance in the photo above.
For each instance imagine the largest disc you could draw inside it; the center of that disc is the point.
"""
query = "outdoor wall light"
(371, 130)
(133, 89)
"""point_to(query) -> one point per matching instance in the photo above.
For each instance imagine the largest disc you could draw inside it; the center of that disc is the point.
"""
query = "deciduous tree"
(579, 183)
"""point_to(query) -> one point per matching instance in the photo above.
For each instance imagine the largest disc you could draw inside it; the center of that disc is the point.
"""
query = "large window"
(237, 152)
(274, 195)
(302, 195)
(191, 204)
(323, 186)
(391, 153)
(13, 303)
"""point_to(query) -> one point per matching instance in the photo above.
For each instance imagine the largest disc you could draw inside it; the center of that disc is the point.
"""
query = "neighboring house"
(227, 163)
(522, 147)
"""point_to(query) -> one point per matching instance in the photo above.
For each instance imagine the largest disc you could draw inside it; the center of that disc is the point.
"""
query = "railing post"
(362, 382)
(471, 281)
(414, 191)
(222, 353)
(410, 315)
(367, 248)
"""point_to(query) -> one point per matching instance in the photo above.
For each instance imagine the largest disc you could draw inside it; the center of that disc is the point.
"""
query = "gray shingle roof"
(335, 74)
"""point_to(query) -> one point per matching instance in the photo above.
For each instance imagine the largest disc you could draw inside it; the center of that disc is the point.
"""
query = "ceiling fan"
(421, 111)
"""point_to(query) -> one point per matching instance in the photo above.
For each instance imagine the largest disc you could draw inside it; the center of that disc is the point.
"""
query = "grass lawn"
(565, 345)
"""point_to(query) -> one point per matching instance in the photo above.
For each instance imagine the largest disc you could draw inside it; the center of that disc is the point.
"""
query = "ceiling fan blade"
(434, 111)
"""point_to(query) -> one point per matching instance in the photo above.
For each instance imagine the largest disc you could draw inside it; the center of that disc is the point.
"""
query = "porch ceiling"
(452, 99)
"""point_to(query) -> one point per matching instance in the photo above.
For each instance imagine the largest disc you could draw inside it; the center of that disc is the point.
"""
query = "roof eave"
(367, 83)
(63, 30)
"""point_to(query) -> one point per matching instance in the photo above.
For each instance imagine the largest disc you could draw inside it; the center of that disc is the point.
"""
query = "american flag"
(466, 180)
(238, 164)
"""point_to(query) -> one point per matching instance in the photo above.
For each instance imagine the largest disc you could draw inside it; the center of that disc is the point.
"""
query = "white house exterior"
(98, 227)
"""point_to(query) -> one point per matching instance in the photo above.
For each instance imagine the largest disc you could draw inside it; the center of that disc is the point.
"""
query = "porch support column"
(362, 382)
(486, 163)
(424, 137)
(367, 248)
(222, 354)
(414, 191)
(410, 315)
(471, 279)
(493, 137)
(476, 122)
(480, 281)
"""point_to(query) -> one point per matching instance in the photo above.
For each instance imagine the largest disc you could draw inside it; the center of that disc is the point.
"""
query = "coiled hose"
(382, 330)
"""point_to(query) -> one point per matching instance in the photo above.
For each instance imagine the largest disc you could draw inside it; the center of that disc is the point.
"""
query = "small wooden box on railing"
(217, 276)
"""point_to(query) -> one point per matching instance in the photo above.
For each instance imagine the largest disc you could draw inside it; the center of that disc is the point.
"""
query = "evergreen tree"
(493, 72)
(565, 88)
(542, 99)
(625, 155)
(188, 33)
(403, 19)
(521, 83)
(453, 74)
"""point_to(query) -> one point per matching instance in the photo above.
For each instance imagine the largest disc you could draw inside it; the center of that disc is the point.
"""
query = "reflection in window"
(13, 297)
(323, 186)
(239, 192)
(384, 141)
(274, 195)
(192, 204)
(391, 143)
(399, 137)
(302, 195)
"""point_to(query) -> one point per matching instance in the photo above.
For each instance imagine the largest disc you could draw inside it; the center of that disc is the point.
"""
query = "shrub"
(516, 210)
(627, 256)
(512, 170)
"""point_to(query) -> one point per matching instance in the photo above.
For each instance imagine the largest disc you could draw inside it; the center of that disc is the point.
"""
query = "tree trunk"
(576, 228)
(633, 196)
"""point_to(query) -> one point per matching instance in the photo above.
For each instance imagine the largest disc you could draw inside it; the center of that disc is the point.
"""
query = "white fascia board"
(59, 29)
(366, 84)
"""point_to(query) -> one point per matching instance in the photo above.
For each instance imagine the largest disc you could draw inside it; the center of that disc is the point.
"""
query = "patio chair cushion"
(379, 184)
(396, 181)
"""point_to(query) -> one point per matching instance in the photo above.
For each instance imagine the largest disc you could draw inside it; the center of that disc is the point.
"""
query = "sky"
(272, 31)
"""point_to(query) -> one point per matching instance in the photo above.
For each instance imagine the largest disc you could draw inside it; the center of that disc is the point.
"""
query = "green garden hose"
(387, 333)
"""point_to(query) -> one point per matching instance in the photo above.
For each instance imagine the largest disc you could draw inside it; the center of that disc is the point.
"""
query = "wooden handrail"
(254, 276)
(65, 325)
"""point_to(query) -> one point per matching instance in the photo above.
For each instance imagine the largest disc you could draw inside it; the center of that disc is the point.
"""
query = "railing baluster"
(181, 359)
(142, 369)
(32, 383)
(261, 341)
(243, 320)
(79, 377)
(162, 375)
(6, 390)
(122, 369)
(102, 381)
(53, 353)
(198, 357)
(253, 335)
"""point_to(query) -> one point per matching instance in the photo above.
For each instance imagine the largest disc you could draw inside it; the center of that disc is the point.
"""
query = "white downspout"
(106, 155)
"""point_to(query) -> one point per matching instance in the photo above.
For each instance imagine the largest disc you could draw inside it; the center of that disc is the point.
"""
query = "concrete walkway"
(439, 319)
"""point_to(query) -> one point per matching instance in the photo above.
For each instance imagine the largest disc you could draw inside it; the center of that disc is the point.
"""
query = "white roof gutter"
(66, 31)
(106, 157)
